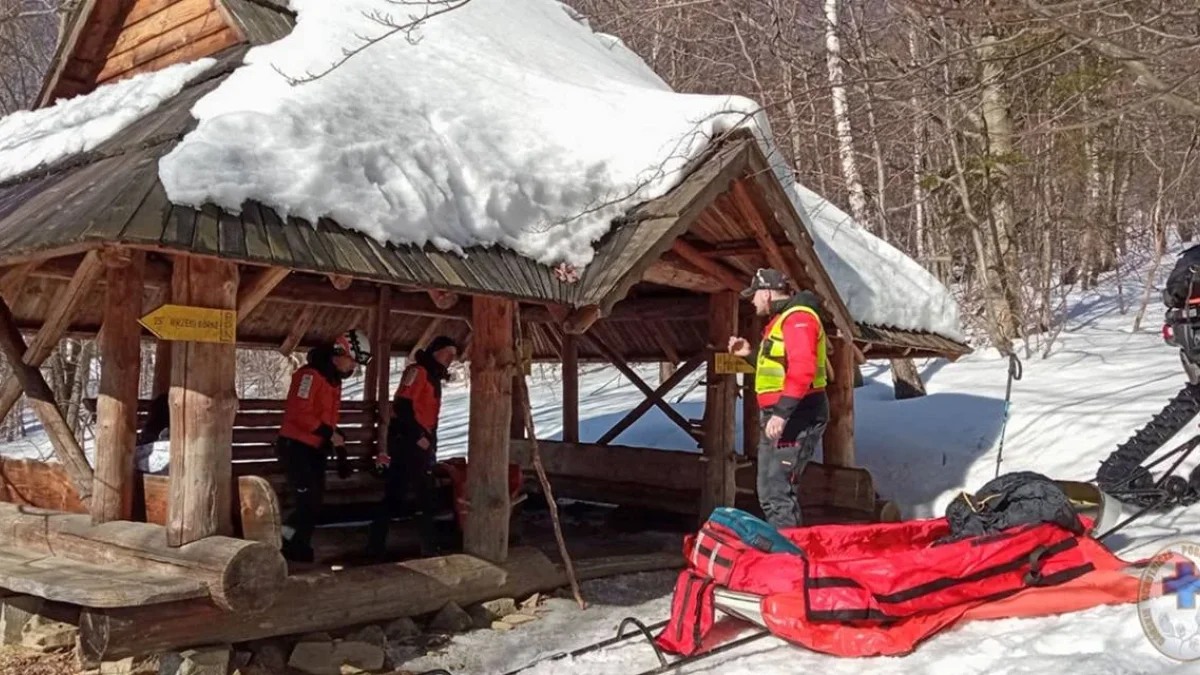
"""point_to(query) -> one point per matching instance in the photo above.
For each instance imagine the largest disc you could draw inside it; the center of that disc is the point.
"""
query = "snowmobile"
(1122, 474)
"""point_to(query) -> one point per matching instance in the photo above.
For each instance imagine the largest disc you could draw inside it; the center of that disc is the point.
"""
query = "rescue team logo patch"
(305, 387)
(1169, 601)
(410, 376)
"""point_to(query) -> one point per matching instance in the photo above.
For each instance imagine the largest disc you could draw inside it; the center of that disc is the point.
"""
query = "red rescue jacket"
(418, 401)
(313, 403)
(801, 334)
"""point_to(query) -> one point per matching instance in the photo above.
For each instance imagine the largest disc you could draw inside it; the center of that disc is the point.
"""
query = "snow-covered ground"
(1101, 382)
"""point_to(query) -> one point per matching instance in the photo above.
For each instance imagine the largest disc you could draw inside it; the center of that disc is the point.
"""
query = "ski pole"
(1015, 371)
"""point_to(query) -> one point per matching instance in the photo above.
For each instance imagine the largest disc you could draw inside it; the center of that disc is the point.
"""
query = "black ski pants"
(781, 462)
(304, 467)
(411, 468)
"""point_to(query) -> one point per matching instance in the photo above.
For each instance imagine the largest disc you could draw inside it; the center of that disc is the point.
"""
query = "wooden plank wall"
(127, 37)
(159, 33)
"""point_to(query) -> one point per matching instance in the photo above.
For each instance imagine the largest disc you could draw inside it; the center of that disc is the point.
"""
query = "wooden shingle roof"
(112, 195)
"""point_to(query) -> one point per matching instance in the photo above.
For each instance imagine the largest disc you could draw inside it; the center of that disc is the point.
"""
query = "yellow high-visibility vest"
(771, 366)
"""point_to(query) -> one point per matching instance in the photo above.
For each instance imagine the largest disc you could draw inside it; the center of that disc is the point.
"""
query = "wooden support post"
(751, 329)
(162, 369)
(41, 399)
(719, 487)
(382, 344)
(299, 327)
(253, 292)
(570, 379)
(55, 325)
(116, 407)
(616, 360)
(649, 402)
(838, 442)
(203, 406)
(516, 427)
(493, 364)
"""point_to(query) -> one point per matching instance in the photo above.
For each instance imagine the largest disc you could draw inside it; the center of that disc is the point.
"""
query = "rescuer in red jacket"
(790, 377)
(412, 443)
(310, 431)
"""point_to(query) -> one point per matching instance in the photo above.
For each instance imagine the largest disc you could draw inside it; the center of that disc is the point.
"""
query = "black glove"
(343, 462)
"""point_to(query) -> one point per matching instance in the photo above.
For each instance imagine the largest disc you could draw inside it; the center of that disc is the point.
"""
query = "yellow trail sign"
(192, 324)
(731, 364)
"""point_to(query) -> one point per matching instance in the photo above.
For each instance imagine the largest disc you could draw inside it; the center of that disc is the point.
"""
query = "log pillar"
(493, 364)
(381, 342)
(162, 369)
(203, 406)
(751, 328)
(570, 391)
(116, 407)
(719, 487)
(838, 441)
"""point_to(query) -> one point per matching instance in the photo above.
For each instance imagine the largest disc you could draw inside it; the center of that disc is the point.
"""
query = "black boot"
(297, 552)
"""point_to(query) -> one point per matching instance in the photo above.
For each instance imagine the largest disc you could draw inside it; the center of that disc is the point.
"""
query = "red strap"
(692, 615)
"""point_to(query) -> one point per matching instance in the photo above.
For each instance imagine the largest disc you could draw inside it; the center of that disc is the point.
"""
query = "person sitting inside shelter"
(310, 431)
(412, 441)
(790, 378)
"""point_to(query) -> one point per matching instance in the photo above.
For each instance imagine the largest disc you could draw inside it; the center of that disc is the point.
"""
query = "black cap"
(766, 279)
(440, 342)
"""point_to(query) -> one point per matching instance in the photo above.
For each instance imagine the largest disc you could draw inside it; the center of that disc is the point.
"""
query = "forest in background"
(1015, 148)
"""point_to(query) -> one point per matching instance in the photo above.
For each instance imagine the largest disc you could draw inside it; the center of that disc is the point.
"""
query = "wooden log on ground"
(89, 585)
(203, 405)
(330, 600)
(41, 399)
(116, 407)
(493, 365)
(719, 409)
(240, 575)
(838, 441)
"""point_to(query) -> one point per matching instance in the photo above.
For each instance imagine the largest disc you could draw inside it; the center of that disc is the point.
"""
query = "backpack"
(1179, 287)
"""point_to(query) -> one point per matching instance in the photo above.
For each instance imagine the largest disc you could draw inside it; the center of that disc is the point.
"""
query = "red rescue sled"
(880, 589)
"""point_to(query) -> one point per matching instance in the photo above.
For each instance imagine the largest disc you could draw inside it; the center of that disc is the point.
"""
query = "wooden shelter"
(90, 244)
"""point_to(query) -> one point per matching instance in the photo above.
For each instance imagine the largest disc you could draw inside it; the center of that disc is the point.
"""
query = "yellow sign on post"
(181, 323)
(731, 364)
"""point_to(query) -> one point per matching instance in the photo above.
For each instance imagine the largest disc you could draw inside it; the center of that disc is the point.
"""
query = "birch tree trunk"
(841, 115)
(1000, 238)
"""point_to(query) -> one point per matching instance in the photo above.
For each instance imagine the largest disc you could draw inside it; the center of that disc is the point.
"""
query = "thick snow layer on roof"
(880, 285)
(497, 122)
(33, 138)
(503, 122)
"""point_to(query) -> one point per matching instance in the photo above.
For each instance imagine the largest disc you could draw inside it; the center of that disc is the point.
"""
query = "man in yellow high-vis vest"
(790, 376)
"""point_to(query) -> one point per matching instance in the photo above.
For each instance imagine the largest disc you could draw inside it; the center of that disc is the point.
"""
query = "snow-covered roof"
(500, 122)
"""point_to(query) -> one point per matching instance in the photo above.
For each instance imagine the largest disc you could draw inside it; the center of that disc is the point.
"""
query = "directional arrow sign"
(192, 324)
(730, 364)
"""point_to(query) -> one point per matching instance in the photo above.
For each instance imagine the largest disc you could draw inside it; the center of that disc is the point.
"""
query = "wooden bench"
(258, 421)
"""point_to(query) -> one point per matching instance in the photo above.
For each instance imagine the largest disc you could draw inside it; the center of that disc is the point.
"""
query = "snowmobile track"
(1122, 471)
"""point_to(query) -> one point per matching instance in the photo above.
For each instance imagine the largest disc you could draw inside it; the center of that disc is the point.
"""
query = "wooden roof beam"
(252, 293)
(750, 215)
(673, 271)
(730, 279)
